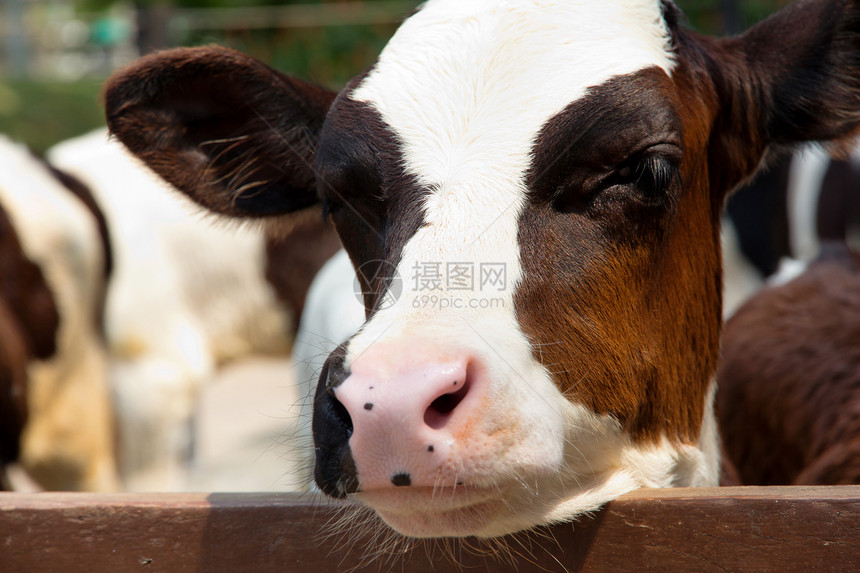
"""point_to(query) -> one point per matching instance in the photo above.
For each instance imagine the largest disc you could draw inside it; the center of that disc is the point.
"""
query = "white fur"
(808, 168)
(70, 417)
(188, 292)
(806, 174)
(788, 270)
(741, 280)
(467, 86)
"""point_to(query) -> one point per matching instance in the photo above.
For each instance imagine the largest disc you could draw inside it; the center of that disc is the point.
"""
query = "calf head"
(530, 193)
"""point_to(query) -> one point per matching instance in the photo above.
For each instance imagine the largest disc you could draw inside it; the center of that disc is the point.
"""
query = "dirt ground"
(245, 431)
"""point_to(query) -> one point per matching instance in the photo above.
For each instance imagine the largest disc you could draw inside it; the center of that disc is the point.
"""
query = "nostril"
(441, 408)
(446, 403)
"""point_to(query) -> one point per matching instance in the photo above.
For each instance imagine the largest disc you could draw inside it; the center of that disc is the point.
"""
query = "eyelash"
(652, 174)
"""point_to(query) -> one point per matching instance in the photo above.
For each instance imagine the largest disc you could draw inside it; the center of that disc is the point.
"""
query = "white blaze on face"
(467, 87)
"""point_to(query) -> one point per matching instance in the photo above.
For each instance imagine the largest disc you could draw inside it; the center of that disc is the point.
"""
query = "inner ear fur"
(790, 79)
(809, 56)
(235, 135)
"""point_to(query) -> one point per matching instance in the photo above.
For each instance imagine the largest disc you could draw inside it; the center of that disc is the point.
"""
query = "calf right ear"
(230, 132)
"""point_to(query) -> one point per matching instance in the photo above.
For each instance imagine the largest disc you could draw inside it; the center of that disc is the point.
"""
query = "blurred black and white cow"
(777, 221)
(55, 411)
(111, 254)
(188, 293)
(576, 157)
(798, 201)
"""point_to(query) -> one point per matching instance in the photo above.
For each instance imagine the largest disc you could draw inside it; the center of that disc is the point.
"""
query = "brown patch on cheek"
(631, 335)
(579, 306)
(624, 311)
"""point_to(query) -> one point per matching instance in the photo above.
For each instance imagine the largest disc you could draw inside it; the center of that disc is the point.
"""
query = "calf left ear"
(231, 133)
(791, 79)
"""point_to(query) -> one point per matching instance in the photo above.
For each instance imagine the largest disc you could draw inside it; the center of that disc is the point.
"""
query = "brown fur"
(607, 276)
(26, 293)
(13, 387)
(293, 259)
(28, 326)
(789, 380)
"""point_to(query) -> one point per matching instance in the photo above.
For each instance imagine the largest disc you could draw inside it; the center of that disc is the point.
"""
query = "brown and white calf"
(576, 157)
(54, 261)
(789, 379)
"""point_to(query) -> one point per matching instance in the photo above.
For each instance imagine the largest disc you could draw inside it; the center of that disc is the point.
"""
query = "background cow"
(54, 265)
(28, 326)
(189, 293)
(800, 199)
(789, 378)
(587, 148)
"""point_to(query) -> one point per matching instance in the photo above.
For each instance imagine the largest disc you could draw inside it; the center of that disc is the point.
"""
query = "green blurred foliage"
(708, 17)
(95, 5)
(326, 56)
(43, 113)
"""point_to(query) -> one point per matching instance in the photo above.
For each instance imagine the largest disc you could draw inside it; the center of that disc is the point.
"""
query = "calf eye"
(652, 175)
(646, 178)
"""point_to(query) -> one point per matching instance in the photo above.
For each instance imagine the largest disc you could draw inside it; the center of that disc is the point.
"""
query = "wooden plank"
(723, 529)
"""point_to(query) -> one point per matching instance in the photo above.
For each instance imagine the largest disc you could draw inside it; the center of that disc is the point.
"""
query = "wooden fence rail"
(721, 529)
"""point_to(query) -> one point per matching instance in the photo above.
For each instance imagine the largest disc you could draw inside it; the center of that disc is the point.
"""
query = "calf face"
(530, 193)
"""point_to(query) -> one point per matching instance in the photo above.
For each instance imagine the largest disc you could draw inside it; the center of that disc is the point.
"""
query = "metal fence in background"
(50, 39)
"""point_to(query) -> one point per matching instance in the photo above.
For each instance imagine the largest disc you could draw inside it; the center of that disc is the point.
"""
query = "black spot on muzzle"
(334, 468)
